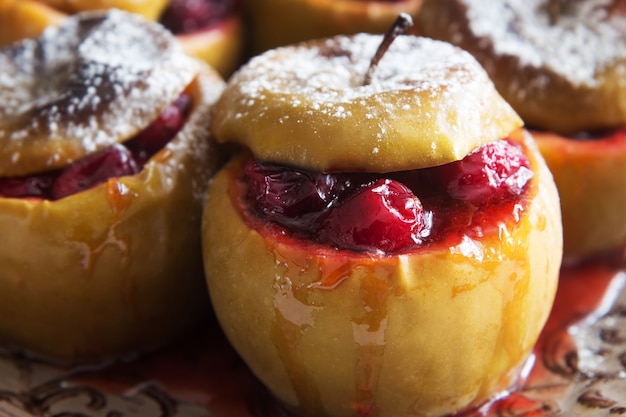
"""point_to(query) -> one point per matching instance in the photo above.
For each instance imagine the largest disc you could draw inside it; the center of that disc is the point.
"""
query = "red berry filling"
(398, 211)
(115, 161)
(188, 16)
(383, 215)
(490, 174)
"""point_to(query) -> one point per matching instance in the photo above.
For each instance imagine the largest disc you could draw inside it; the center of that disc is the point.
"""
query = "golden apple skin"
(220, 46)
(591, 178)
(276, 23)
(305, 105)
(150, 9)
(21, 19)
(423, 333)
(116, 268)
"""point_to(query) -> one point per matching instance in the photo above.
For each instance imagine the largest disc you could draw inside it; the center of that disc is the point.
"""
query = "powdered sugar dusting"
(330, 75)
(585, 38)
(92, 82)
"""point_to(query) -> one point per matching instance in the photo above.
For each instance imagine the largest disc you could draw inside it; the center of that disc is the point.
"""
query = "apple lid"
(428, 103)
(95, 80)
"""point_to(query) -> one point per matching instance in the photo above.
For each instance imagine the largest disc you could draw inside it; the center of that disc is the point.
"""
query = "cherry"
(156, 135)
(31, 186)
(497, 171)
(372, 212)
(186, 16)
(118, 160)
(383, 215)
(287, 195)
(114, 161)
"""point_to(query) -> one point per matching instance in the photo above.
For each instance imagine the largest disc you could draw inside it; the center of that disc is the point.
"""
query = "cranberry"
(497, 171)
(186, 16)
(156, 135)
(286, 195)
(114, 161)
(384, 215)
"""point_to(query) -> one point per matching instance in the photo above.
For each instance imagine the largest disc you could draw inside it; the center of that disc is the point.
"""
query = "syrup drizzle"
(369, 336)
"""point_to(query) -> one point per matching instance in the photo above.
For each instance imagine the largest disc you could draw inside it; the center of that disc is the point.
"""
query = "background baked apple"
(383, 248)
(275, 23)
(591, 179)
(102, 253)
(210, 30)
(551, 60)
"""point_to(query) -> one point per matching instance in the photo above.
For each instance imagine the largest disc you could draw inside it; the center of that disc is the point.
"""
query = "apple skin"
(276, 23)
(150, 9)
(591, 180)
(422, 333)
(117, 268)
(220, 46)
(25, 19)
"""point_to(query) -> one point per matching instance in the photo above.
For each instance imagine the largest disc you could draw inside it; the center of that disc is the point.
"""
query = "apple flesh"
(335, 332)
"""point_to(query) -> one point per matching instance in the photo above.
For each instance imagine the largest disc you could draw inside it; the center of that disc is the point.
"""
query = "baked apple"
(210, 30)
(150, 9)
(385, 244)
(561, 66)
(281, 22)
(25, 19)
(105, 158)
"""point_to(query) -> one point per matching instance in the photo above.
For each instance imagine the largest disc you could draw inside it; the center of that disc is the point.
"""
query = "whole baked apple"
(101, 189)
(388, 241)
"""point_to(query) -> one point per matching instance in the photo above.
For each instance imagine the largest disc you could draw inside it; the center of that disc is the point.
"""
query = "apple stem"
(554, 10)
(402, 23)
(617, 8)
